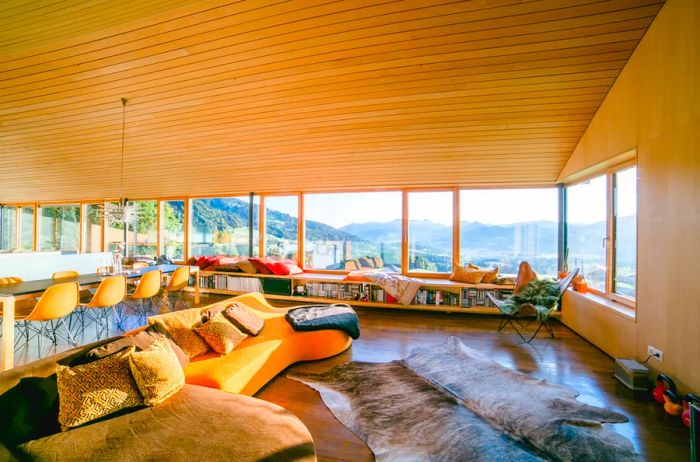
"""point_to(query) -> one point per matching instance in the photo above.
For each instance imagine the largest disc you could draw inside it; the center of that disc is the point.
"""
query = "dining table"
(11, 293)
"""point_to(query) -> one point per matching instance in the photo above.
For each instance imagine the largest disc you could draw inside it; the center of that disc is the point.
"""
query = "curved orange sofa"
(257, 360)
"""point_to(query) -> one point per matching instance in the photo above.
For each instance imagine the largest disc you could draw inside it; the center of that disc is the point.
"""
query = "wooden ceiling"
(233, 96)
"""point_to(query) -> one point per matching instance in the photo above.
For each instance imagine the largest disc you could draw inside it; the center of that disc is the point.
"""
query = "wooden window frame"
(161, 227)
(38, 207)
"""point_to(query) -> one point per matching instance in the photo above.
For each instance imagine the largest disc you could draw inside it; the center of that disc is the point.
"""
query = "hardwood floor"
(567, 360)
(388, 335)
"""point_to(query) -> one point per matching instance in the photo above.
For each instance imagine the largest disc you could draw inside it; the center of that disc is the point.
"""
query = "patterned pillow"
(94, 390)
(245, 320)
(220, 334)
(157, 372)
(246, 266)
(466, 274)
(178, 325)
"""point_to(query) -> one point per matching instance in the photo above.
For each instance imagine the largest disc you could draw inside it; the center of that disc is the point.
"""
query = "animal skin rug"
(450, 403)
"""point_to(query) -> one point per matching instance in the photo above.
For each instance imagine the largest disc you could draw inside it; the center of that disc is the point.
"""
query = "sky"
(587, 204)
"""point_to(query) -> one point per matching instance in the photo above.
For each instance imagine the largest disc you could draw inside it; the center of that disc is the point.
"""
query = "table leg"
(196, 287)
(8, 332)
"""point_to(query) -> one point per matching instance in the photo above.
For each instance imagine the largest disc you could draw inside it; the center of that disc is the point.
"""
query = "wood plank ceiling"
(233, 96)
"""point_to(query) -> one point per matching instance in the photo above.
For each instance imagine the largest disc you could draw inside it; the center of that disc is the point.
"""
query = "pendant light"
(121, 212)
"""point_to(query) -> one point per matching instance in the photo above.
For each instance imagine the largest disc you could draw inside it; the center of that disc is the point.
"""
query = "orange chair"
(109, 294)
(148, 287)
(62, 276)
(173, 290)
(57, 302)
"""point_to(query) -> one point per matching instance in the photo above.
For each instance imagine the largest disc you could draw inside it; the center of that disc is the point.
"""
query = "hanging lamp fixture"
(122, 211)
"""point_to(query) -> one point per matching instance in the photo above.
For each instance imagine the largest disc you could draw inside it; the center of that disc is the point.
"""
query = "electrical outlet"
(655, 353)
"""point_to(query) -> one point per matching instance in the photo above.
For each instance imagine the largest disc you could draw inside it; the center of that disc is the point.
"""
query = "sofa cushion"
(467, 275)
(246, 267)
(141, 340)
(91, 391)
(221, 335)
(259, 265)
(195, 422)
(29, 410)
(179, 325)
(244, 319)
(157, 372)
(283, 268)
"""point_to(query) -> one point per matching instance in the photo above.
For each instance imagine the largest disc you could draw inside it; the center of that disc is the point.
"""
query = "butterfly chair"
(148, 287)
(57, 302)
(527, 310)
(110, 293)
(173, 290)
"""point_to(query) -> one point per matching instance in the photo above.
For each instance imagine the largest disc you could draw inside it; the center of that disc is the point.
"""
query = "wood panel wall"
(654, 106)
(235, 96)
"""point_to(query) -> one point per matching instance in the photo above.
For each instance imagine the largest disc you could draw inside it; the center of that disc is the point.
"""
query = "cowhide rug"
(450, 403)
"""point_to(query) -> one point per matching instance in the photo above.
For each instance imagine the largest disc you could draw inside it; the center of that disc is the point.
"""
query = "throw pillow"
(352, 265)
(157, 372)
(366, 262)
(472, 266)
(141, 340)
(466, 274)
(94, 390)
(212, 311)
(244, 319)
(246, 266)
(378, 262)
(259, 265)
(221, 335)
(277, 267)
(490, 276)
(29, 410)
(178, 325)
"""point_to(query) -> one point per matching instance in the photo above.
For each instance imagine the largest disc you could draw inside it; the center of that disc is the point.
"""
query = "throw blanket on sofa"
(402, 288)
(319, 317)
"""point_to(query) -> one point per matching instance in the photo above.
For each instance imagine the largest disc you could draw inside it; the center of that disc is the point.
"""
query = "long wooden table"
(11, 293)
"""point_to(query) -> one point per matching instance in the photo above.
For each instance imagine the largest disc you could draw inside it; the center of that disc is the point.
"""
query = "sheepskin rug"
(451, 403)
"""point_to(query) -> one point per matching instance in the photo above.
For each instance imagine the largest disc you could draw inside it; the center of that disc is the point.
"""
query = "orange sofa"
(257, 360)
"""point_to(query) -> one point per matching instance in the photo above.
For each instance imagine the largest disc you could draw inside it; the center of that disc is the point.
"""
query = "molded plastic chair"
(148, 287)
(61, 276)
(110, 293)
(10, 280)
(173, 290)
(57, 302)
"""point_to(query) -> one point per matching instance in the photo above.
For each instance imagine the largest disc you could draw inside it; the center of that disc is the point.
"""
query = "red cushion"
(293, 268)
(200, 261)
(210, 262)
(259, 265)
(282, 268)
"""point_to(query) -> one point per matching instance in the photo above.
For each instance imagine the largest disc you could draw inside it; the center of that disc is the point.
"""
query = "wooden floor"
(388, 335)
(568, 360)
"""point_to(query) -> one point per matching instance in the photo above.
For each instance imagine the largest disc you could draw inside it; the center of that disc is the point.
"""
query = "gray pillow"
(142, 340)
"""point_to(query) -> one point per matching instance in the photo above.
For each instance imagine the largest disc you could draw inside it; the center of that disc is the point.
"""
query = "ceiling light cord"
(121, 181)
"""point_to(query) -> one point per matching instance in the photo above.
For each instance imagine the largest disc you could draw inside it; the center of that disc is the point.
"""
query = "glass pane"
(430, 231)
(114, 235)
(92, 228)
(8, 228)
(625, 280)
(173, 218)
(26, 228)
(142, 235)
(59, 227)
(348, 231)
(281, 226)
(220, 226)
(502, 227)
(586, 212)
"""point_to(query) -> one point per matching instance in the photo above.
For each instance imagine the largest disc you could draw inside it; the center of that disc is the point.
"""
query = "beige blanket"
(402, 288)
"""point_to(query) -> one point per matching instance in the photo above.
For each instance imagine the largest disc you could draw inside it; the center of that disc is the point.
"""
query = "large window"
(502, 227)
(26, 228)
(430, 231)
(114, 236)
(625, 242)
(142, 234)
(173, 234)
(92, 228)
(8, 228)
(586, 218)
(347, 231)
(281, 226)
(221, 226)
(59, 227)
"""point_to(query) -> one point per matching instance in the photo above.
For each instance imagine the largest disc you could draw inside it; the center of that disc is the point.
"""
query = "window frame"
(609, 174)
(185, 226)
(37, 227)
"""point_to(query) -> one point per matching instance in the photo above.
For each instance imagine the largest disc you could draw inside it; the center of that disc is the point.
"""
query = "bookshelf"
(434, 295)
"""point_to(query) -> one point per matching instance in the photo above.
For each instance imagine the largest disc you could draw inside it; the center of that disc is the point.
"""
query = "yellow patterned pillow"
(179, 325)
(221, 335)
(466, 274)
(490, 276)
(96, 389)
(157, 372)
